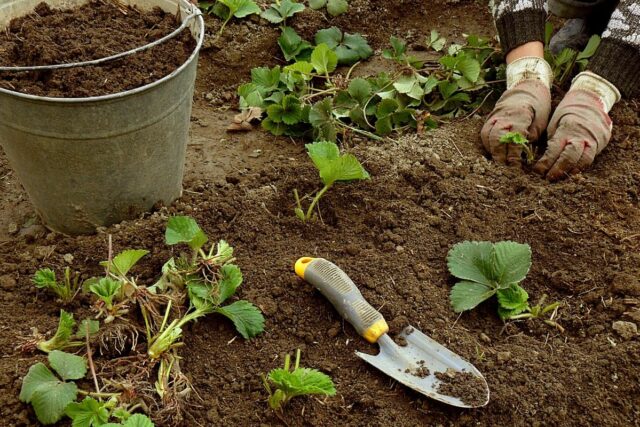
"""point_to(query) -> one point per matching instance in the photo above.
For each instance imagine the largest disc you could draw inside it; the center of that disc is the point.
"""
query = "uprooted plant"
(283, 384)
(333, 167)
(54, 395)
(518, 139)
(308, 97)
(209, 279)
(489, 269)
(64, 338)
(565, 63)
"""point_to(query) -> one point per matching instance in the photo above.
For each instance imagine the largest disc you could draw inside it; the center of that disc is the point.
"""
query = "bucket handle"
(195, 11)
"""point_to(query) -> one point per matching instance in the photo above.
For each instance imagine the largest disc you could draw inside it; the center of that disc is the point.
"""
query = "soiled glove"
(523, 108)
(580, 127)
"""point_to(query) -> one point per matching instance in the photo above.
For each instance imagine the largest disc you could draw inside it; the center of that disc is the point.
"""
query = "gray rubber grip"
(340, 290)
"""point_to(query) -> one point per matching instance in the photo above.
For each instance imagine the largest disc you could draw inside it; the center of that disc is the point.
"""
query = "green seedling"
(435, 41)
(334, 7)
(65, 338)
(116, 289)
(283, 384)
(489, 269)
(293, 47)
(227, 9)
(333, 167)
(398, 53)
(518, 139)
(210, 279)
(278, 12)
(349, 48)
(547, 313)
(45, 278)
(94, 413)
(565, 63)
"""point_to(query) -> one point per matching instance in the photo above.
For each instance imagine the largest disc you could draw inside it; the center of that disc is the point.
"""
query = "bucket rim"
(118, 95)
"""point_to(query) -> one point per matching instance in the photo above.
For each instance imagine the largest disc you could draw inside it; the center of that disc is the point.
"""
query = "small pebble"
(626, 330)
(68, 258)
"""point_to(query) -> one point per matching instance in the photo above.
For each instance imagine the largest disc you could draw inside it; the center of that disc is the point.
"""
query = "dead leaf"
(242, 122)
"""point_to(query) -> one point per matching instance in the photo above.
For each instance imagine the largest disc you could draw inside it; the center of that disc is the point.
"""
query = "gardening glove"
(523, 108)
(580, 128)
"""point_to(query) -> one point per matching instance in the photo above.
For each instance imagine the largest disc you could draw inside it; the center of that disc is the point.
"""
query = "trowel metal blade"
(421, 351)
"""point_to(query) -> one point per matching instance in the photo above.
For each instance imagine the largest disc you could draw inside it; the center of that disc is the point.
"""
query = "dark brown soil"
(463, 385)
(391, 235)
(96, 30)
(420, 371)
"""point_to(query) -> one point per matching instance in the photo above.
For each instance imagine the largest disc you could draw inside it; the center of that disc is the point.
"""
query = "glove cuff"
(529, 68)
(598, 85)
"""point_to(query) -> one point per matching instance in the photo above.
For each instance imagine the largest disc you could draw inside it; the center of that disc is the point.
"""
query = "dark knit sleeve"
(519, 22)
(618, 57)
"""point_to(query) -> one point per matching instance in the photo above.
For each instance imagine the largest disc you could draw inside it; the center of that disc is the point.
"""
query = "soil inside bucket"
(98, 29)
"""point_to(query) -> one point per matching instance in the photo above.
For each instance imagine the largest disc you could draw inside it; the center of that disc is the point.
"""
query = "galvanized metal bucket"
(89, 162)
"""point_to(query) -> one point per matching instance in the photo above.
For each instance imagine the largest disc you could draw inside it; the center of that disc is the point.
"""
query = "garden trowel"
(416, 361)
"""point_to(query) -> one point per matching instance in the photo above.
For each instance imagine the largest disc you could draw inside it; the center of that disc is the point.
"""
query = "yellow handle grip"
(340, 290)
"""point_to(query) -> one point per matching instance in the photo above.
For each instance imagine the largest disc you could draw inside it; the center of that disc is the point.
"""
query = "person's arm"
(581, 127)
(526, 105)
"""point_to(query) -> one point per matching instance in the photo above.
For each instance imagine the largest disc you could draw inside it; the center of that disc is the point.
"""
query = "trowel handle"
(340, 290)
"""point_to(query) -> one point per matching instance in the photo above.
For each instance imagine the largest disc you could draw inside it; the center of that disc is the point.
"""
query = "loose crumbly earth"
(469, 388)
(96, 30)
(391, 235)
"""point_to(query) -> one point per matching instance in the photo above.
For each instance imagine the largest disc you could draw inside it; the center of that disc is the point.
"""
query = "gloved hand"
(580, 127)
(523, 108)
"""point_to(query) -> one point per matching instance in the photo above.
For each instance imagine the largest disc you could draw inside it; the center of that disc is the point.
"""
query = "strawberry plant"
(567, 60)
(333, 167)
(45, 278)
(349, 48)
(53, 394)
(116, 289)
(334, 7)
(210, 279)
(323, 105)
(227, 9)
(279, 11)
(65, 338)
(518, 139)
(283, 384)
(487, 269)
(50, 394)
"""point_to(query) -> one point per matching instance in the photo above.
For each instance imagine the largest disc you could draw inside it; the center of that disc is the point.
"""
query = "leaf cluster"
(227, 9)
(519, 139)
(568, 61)
(334, 7)
(333, 167)
(52, 392)
(209, 279)
(309, 100)
(45, 278)
(65, 337)
(285, 383)
(487, 269)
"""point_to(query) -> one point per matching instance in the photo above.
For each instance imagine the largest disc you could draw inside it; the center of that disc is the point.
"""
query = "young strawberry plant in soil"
(391, 234)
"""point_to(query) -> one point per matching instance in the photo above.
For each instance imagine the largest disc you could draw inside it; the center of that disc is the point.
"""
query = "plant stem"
(224, 24)
(316, 199)
(90, 359)
(362, 132)
(100, 394)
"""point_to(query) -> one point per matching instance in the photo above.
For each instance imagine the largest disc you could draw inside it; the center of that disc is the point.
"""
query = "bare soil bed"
(96, 30)
(391, 235)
